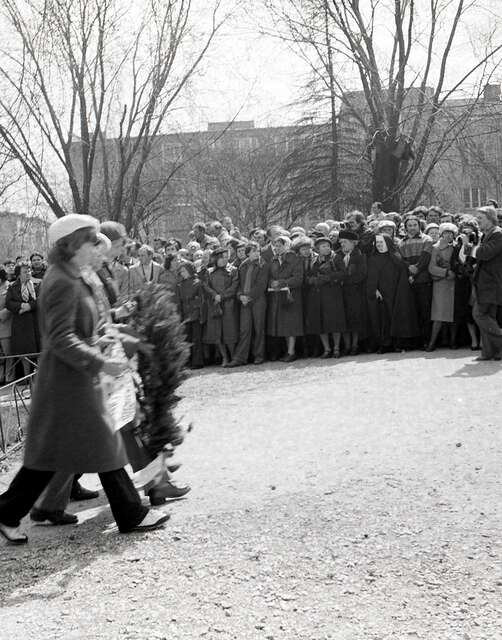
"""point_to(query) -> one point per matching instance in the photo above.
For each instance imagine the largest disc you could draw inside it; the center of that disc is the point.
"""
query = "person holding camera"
(443, 284)
(463, 265)
(488, 283)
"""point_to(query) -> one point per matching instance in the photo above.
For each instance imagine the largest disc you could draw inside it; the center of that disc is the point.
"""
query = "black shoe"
(289, 358)
(259, 361)
(153, 520)
(325, 355)
(166, 491)
(79, 493)
(234, 363)
(52, 517)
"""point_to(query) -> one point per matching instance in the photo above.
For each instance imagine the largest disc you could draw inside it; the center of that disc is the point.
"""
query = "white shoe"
(154, 519)
(13, 535)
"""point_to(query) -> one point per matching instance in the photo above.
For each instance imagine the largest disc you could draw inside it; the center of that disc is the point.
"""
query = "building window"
(474, 197)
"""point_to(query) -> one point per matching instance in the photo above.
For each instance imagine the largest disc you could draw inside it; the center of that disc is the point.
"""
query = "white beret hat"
(104, 240)
(62, 227)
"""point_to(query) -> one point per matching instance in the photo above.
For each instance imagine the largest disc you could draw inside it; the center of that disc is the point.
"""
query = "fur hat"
(345, 234)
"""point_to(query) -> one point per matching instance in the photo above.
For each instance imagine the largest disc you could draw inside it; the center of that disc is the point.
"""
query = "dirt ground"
(356, 499)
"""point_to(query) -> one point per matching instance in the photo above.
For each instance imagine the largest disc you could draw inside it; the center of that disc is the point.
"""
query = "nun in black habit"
(391, 310)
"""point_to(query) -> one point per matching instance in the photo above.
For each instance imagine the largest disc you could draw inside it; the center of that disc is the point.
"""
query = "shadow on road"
(54, 555)
(362, 358)
(477, 370)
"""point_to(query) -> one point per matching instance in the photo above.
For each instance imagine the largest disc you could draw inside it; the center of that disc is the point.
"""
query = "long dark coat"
(488, 270)
(25, 335)
(352, 278)
(395, 315)
(69, 428)
(325, 312)
(285, 312)
(222, 325)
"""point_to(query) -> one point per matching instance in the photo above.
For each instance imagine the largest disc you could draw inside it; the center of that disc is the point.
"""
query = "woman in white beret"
(70, 428)
(442, 271)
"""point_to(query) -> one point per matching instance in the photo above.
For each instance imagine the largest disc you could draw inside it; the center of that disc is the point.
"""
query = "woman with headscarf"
(285, 304)
(443, 287)
(70, 428)
(390, 301)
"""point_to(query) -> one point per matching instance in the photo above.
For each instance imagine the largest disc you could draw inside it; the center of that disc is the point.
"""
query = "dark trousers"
(422, 292)
(485, 316)
(252, 331)
(193, 332)
(28, 484)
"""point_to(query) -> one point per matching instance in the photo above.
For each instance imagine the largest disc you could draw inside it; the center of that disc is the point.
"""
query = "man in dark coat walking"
(488, 284)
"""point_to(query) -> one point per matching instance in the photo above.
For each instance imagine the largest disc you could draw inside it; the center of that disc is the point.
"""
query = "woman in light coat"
(443, 283)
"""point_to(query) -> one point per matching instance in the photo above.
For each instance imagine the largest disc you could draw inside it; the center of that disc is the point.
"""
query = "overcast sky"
(257, 77)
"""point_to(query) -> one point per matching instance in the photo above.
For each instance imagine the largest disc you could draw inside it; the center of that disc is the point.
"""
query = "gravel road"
(356, 499)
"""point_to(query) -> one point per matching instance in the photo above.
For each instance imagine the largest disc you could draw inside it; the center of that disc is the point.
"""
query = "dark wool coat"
(190, 299)
(222, 325)
(323, 297)
(285, 312)
(69, 428)
(259, 278)
(25, 335)
(352, 278)
(388, 273)
(488, 271)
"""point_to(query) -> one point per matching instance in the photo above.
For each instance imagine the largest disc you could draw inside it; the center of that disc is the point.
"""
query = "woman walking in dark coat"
(70, 428)
(326, 312)
(285, 307)
(390, 300)
(21, 301)
(350, 270)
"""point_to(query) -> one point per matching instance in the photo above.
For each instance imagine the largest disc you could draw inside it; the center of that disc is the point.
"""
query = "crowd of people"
(382, 283)
(385, 282)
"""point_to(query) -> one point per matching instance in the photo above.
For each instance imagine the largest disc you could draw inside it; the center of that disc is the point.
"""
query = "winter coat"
(5, 314)
(353, 279)
(222, 325)
(488, 270)
(388, 274)
(323, 298)
(190, 298)
(259, 278)
(140, 274)
(70, 428)
(443, 283)
(285, 309)
(25, 335)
